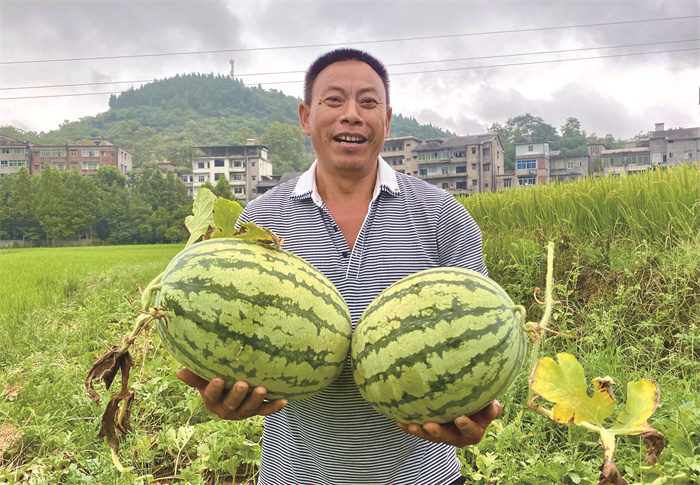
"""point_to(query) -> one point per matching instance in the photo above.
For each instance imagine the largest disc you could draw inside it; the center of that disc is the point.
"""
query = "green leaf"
(564, 383)
(202, 217)
(226, 213)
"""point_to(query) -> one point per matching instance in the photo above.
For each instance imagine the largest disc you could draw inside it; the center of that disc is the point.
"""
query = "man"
(364, 226)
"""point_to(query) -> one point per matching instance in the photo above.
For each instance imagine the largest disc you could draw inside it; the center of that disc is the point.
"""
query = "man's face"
(348, 119)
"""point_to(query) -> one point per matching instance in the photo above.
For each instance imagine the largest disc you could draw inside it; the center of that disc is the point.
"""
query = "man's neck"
(345, 189)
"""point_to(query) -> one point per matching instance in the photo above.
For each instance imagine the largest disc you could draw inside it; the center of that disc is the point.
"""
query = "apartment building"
(461, 165)
(674, 146)
(566, 168)
(13, 155)
(398, 152)
(86, 157)
(626, 160)
(244, 166)
(531, 164)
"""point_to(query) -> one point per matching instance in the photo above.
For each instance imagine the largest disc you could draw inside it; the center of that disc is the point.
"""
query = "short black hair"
(340, 55)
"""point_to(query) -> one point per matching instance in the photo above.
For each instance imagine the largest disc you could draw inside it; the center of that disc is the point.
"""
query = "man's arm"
(235, 404)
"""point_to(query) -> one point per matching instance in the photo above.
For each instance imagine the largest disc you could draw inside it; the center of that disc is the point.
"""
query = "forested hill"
(165, 118)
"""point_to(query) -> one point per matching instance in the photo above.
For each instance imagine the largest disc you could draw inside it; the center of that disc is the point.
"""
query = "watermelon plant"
(235, 306)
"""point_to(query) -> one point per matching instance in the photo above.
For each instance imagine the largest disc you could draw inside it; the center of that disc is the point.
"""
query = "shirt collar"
(386, 182)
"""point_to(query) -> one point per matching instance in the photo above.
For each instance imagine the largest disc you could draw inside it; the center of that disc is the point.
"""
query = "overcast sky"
(616, 92)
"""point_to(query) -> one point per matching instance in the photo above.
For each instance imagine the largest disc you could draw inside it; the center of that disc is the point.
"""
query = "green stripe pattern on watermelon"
(242, 310)
(438, 344)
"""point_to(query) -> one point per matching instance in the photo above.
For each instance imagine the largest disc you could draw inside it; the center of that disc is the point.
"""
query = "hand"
(235, 404)
(466, 430)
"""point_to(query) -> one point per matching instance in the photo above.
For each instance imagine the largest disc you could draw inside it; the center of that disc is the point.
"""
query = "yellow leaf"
(642, 401)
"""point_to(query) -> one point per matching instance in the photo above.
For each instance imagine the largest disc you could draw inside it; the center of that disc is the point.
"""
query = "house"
(244, 166)
(674, 146)
(86, 157)
(461, 165)
(13, 155)
(626, 160)
(531, 164)
(398, 152)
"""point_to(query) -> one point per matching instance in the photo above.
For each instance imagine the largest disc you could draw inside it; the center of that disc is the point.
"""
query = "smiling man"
(364, 226)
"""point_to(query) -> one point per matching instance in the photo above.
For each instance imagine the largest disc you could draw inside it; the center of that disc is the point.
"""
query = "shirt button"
(335, 228)
(345, 254)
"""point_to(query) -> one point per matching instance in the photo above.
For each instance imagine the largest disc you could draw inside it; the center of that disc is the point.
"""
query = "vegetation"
(632, 294)
(166, 119)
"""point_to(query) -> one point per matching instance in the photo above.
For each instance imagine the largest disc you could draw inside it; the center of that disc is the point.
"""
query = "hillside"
(165, 118)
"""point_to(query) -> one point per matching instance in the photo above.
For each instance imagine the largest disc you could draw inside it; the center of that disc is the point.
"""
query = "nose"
(351, 114)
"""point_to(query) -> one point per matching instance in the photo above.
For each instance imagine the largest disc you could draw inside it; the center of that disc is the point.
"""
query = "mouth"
(354, 139)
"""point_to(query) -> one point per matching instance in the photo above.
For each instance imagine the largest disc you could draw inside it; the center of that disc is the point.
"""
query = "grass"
(634, 300)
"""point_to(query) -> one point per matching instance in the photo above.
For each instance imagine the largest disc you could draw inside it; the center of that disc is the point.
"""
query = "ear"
(304, 113)
(388, 122)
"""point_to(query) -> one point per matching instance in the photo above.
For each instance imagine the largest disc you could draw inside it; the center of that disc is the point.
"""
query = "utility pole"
(231, 61)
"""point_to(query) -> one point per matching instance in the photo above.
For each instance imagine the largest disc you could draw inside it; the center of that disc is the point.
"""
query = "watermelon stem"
(545, 317)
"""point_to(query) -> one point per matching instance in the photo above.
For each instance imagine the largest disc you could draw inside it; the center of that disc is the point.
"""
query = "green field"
(627, 270)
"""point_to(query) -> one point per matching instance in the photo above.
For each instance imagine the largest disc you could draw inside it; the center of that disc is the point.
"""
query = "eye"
(333, 101)
(368, 102)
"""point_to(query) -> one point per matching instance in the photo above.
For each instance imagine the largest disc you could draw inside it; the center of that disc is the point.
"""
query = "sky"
(619, 67)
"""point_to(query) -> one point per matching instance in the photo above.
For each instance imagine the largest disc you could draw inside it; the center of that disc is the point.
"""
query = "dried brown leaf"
(610, 475)
(104, 369)
(116, 419)
(655, 443)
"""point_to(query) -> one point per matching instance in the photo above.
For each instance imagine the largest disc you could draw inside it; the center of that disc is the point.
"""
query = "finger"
(418, 430)
(487, 414)
(249, 405)
(213, 393)
(231, 402)
(192, 379)
(267, 408)
(471, 431)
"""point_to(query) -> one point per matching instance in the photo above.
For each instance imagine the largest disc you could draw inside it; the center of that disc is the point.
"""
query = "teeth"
(350, 138)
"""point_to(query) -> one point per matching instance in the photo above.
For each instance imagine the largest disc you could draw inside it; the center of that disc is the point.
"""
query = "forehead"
(348, 75)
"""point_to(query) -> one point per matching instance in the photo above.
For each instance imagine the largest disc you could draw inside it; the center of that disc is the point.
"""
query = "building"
(461, 165)
(13, 155)
(398, 152)
(244, 166)
(531, 164)
(626, 160)
(566, 168)
(674, 146)
(86, 157)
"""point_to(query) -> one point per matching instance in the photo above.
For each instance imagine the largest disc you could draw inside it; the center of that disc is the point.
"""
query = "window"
(687, 155)
(658, 142)
(473, 150)
(218, 175)
(487, 167)
(570, 164)
(58, 152)
(530, 148)
(74, 152)
(507, 182)
(445, 185)
(460, 154)
(91, 152)
(445, 170)
(525, 164)
(238, 190)
(45, 152)
(441, 155)
(475, 182)
(74, 165)
(252, 177)
(200, 164)
(252, 164)
(527, 181)
(91, 165)
(202, 178)
(219, 162)
(461, 169)
(184, 178)
(486, 151)
(237, 176)
(473, 166)
(103, 153)
(237, 163)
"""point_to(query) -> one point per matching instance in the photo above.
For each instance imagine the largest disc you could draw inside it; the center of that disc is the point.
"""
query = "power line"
(447, 36)
(387, 65)
(406, 73)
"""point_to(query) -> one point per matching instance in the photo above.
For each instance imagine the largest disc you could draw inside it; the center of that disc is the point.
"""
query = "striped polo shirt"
(335, 437)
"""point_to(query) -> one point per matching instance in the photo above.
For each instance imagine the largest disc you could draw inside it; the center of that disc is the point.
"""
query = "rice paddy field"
(627, 271)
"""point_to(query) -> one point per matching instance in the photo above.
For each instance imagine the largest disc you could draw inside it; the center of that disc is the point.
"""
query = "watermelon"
(242, 310)
(438, 344)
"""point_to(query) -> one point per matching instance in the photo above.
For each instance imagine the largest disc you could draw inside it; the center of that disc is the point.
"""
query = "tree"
(223, 189)
(81, 203)
(19, 209)
(109, 176)
(532, 128)
(287, 145)
(243, 134)
(50, 204)
(572, 129)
